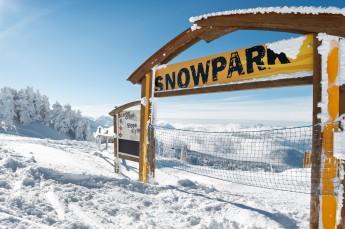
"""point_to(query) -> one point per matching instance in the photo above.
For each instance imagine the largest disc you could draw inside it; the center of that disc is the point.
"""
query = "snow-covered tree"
(55, 116)
(83, 130)
(7, 105)
(27, 106)
(42, 109)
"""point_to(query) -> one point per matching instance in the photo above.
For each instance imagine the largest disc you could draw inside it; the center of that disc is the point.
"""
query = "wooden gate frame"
(214, 27)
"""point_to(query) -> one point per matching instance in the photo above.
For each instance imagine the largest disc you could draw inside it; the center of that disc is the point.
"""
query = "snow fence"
(276, 159)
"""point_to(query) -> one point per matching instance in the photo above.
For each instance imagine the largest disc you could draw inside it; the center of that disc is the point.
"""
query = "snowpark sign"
(258, 62)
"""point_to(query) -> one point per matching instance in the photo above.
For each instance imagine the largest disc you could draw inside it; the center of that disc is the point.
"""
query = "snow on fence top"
(279, 10)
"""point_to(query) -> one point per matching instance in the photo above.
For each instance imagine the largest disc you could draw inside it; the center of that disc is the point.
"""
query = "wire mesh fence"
(277, 159)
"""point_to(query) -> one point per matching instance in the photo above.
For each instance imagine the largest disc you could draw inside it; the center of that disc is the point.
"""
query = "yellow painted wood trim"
(329, 171)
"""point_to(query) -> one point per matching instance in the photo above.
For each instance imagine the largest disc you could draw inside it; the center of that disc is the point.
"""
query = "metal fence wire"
(276, 159)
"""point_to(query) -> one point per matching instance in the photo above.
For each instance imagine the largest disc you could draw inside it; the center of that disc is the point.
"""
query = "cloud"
(15, 27)
(297, 109)
(16, 16)
(241, 108)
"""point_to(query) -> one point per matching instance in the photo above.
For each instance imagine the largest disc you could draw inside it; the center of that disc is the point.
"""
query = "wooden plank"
(127, 157)
(316, 141)
(215, 32)
(342, 111)
(293, 23)
(205, 71)
(119, 109)
(242, 86)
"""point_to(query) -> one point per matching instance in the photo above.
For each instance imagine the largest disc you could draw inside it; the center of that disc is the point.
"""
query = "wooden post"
(329, 168)
(316, 139)
(306, 160)
(116, 145)
(152, 152)
(341, 224)
(144, 118)
(183, 154)
(342, 99)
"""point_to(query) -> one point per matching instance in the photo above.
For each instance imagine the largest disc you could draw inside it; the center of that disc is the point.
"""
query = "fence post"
(145, 110)
(152, 151)
(183, 155)
(307, 161)
(116, 144)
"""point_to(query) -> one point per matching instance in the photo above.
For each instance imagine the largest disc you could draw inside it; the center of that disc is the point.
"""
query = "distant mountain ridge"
(104, 121)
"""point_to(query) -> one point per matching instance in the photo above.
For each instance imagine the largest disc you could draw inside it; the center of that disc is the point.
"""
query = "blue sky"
(82, 51)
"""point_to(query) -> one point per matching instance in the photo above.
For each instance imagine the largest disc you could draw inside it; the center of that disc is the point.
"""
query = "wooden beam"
(174, 47)
(146, 91)
(142, 148)
(316, 140)
(215, 32)
(242, 86)
(329, 163)
(214, 27)
(341, 100)
(333, 24)
(127, 157)
(123, 107)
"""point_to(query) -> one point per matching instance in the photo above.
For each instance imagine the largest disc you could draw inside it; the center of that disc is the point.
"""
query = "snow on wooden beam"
(279, 10)
(333, 24)
(212, 27)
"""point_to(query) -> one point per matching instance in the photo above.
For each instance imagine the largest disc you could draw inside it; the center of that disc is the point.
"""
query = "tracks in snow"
(72, 210)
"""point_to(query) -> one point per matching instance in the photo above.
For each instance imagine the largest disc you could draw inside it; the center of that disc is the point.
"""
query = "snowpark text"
(243, 64)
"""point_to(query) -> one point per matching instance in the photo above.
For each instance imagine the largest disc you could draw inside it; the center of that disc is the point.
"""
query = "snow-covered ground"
(70, 184)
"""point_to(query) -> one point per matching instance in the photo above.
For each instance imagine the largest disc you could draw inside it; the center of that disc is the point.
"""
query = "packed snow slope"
(70, 184)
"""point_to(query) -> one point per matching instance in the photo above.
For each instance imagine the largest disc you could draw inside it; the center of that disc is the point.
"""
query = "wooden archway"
(213, 26)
